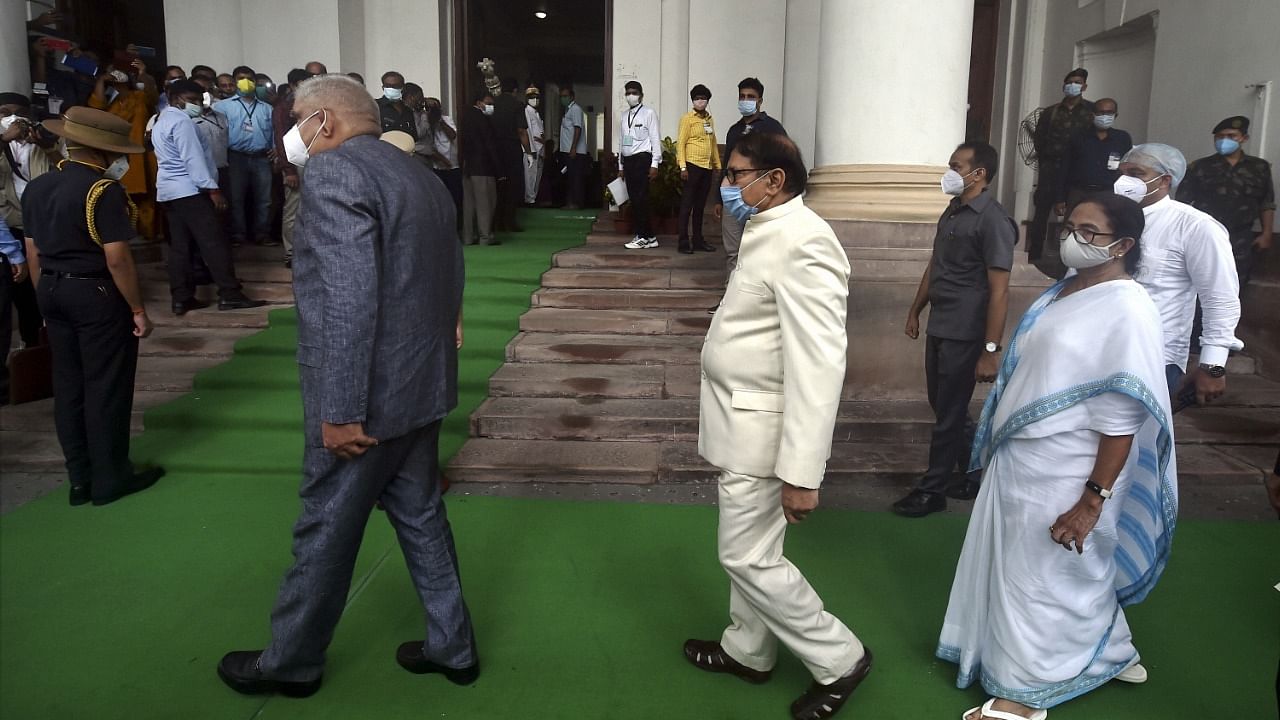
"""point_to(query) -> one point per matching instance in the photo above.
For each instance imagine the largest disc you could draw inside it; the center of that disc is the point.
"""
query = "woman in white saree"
(1078, 503)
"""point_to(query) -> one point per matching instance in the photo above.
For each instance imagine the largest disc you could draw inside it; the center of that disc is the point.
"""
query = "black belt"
(258, 154)
(100, 275)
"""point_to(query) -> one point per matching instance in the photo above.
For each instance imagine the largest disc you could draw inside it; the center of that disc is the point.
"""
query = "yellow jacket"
(696, 145)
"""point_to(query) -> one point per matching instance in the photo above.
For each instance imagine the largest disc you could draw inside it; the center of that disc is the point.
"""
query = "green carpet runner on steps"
(580, 608)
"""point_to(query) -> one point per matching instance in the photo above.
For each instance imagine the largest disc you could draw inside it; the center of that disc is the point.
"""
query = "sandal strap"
(987, 712)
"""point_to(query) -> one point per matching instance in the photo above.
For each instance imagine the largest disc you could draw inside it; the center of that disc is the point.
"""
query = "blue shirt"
(573, 118)
(248, 124)
(182, 160)
(10, 246)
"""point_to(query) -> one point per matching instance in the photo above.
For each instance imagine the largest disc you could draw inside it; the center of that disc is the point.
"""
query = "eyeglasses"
(1086, 236)
(733, 174)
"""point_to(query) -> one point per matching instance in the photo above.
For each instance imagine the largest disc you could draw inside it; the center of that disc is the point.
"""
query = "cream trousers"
(769, 600)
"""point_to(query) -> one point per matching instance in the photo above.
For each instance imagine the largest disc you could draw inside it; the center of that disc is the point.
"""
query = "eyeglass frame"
(1068, 229)
(731, 174)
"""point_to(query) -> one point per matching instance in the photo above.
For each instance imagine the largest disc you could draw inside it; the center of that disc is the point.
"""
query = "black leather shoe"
(79, 494)
(239, 670)
(182, 307)
(410, 657)
(239, 303)
(820, 702)
(964, 489)
(920, 503)
(686, 248)
(140, 481)
(709, 656)
(703, 246)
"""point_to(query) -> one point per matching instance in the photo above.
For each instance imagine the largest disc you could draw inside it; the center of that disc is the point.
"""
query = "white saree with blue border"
(1034, 622)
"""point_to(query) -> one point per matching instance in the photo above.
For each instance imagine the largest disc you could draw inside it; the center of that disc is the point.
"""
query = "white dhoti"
(769, 600)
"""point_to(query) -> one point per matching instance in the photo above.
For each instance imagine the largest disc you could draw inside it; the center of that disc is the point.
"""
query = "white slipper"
(989, 714)
(1135, 674)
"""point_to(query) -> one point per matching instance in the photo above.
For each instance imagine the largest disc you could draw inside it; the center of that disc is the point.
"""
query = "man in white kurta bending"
(772, 370)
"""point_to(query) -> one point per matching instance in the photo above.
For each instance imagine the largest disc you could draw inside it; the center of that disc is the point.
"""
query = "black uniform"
(508, 121)
(95, 352)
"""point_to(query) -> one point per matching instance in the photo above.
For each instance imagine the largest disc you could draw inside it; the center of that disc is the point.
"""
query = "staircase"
(168, 361)
(600, 387)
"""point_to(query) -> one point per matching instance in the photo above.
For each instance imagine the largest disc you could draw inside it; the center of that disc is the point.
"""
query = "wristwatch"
(992, 347)
(1213, 371)
(1095, 487)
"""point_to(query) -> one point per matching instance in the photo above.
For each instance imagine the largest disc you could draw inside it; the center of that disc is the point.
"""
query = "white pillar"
(891, 106)
(15, 67)
(673, 95)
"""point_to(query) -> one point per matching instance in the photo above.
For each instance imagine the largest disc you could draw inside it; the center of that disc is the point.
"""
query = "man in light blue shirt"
(573, 146)
(13, 269)
(249, 139)
(187, 186)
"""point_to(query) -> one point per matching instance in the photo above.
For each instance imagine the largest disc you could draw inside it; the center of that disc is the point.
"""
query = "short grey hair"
(1161, 158)
(339, 94)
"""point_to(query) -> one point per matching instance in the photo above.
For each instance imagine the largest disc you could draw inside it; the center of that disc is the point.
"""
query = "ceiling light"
(540, 15)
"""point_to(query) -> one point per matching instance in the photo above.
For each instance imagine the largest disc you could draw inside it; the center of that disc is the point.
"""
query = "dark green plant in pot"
(664, 190)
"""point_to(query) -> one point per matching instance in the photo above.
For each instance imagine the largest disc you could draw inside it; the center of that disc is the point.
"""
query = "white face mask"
(296, 150)
(1078, 254)
(392, 94)
(1072, 89)
(533, 102)
(633, 100)
(1135, 188)
(487, 109)
(953, 182)
(7, 122)
(699, 105)
(117, 168)
(1102, 122)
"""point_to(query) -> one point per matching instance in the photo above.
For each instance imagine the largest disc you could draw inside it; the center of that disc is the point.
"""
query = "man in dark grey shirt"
(966, 287)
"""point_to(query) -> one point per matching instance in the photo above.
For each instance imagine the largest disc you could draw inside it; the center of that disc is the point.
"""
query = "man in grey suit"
(378, 280)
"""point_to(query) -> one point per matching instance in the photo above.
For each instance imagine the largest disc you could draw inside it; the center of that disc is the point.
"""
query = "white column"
(891, 108)
(15, 67)
(673, 99)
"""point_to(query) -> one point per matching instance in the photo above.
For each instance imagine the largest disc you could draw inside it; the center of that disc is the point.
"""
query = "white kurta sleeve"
(1213, 274)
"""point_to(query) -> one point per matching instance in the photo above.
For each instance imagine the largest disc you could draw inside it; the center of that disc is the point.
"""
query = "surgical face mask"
(565, 101)
(193, 110)
(7, 122)
(731, 196)
(261, 92)
(748, 107)
(1078, 254)
(139, 86)
(953, 182)
(1102, 122)
(699, 105)
(487, 109)
(117, 168)
(533, 102)
(392, 94)
(1072, 89)
(1135, 188)
(1226, 146)
(297, 150)
(633, 100)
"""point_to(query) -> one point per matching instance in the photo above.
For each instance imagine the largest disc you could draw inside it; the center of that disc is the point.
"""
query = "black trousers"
(948, 369)
(23, 297)
(452, 180)
(511, 190)
(6, 325)
(194, 221)
(693, 202)
(95, 356)
(575, 178)
(635, 171)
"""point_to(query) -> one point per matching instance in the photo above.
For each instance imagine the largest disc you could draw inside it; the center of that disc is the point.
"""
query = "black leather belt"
(258, 154)
(101, 275)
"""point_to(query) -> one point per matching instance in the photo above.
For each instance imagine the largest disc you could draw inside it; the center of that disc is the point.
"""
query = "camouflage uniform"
(1235, 196)
(1057, 124)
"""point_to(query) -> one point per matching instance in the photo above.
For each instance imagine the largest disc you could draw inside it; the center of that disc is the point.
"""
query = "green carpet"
(580, 608)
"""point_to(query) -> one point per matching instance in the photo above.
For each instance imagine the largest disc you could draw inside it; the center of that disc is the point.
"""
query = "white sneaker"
(642, 244)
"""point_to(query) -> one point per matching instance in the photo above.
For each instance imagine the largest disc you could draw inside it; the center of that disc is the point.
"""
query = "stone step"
(877, 465)
(605, 349)
(618, 322)
(665, 256)
(1236, 364)
(193, 342)
(248, 272)
(1228, 426)
(645, 419)
(617, 299)
(634, 278)
(580, 380)
(211, 317)
(157, 292)
(167, 373)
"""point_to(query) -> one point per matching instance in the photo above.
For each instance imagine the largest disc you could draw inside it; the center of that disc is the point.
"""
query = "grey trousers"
(731, 235)
(479, 198)
(292, 200)
(337, 498)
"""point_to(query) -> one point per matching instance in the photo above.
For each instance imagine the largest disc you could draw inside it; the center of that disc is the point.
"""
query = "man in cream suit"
(772, 369)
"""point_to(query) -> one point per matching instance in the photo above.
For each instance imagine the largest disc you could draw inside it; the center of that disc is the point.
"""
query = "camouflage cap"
(1235, 122)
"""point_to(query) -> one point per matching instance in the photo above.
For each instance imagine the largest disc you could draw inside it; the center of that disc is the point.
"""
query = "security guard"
(1236, 189)
(1057, 124)
(78, 225)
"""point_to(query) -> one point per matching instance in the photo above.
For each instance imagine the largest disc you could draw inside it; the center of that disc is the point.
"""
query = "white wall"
(800, 74)
(637, 55)
(733, 40)
(15, 68)
(402, 35)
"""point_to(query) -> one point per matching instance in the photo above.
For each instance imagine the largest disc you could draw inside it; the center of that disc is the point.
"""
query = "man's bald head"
(334, 109)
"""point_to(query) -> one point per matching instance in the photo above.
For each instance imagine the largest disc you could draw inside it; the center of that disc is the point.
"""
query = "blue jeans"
(250, 198)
